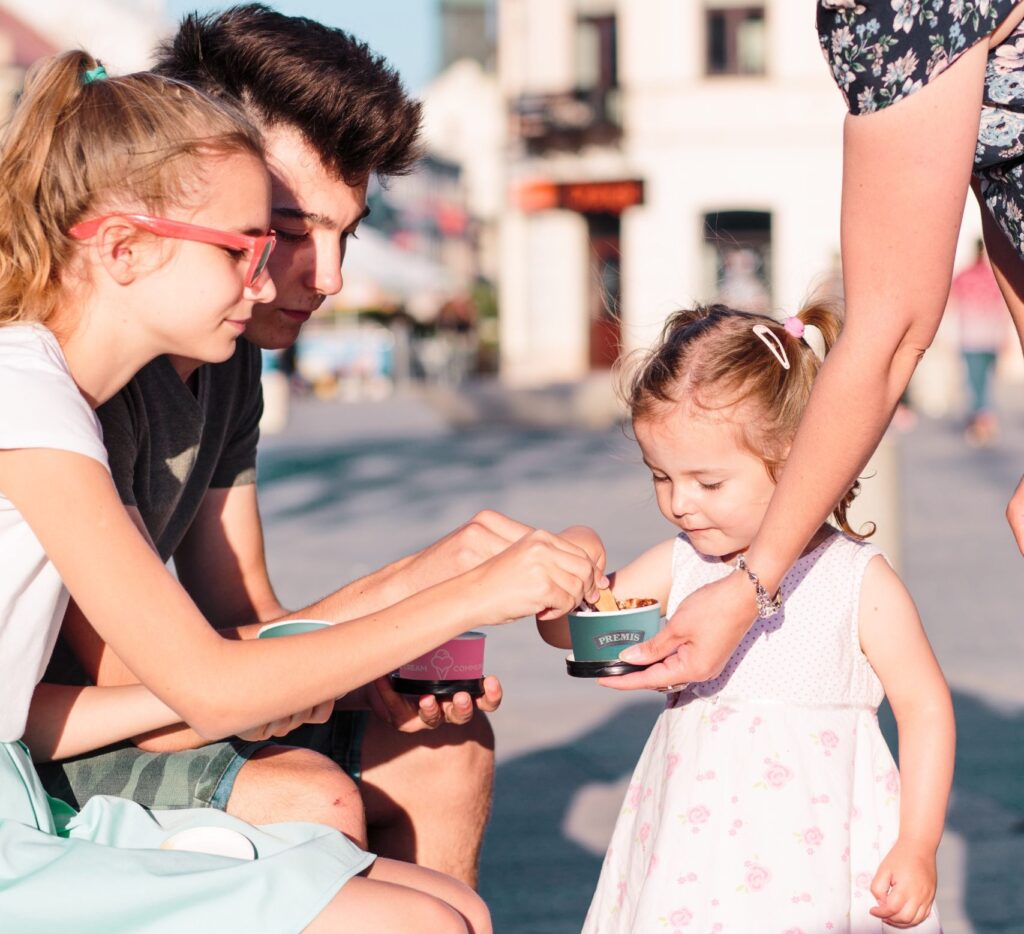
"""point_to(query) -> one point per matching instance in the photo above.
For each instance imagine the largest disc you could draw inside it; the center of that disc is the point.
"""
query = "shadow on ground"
(358, 476)
(535, 879)
(987, 810)
(538, 881)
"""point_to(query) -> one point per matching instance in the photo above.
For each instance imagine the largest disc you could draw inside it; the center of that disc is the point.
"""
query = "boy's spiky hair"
(347, 102)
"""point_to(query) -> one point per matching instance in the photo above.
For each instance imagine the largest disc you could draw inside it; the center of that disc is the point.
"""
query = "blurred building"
(661, 153)
(120, 32)
(467, 32)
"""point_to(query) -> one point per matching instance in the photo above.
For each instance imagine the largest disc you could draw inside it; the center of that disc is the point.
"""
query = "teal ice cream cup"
(290, 627)
(599, 637)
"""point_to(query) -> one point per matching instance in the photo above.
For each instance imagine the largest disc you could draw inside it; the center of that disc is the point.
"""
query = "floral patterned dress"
(881, 51)
(764, 800)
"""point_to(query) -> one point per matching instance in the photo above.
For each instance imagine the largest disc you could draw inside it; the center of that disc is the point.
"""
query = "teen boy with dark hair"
(182, 443)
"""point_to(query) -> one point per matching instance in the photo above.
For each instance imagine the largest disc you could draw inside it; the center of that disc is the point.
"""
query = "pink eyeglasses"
(259, 248)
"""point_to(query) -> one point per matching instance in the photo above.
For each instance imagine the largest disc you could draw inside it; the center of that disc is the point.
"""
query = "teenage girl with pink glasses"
(133, 223)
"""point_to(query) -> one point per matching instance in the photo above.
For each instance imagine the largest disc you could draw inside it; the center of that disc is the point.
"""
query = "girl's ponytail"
(32, 241)
(79, 141)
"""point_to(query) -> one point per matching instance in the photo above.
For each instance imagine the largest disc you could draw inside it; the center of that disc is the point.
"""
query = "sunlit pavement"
(346, 488)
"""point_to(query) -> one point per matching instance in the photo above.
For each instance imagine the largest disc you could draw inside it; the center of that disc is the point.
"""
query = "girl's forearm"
(67, 720)
(255, 681)
(852, 403)
(927, 744)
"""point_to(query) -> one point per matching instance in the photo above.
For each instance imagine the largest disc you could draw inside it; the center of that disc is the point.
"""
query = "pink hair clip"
(793, 325)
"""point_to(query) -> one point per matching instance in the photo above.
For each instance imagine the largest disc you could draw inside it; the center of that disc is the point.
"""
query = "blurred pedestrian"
(983, 325)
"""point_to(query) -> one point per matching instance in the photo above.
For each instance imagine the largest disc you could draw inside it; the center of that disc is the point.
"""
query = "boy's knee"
(288, 783)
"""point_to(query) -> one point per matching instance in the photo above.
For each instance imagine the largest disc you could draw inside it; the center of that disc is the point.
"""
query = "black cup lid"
(599, 669)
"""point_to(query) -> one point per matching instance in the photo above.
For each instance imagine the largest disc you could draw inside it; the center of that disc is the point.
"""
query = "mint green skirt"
(101, 870)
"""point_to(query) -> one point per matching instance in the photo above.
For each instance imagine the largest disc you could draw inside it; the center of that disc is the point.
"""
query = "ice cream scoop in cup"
(599, 637)
(456, 666)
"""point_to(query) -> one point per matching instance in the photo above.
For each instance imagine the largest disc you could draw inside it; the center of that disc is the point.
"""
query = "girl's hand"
(285, 725)
(1015, 514)
(541, 575)
(904, 885)
(696, 642)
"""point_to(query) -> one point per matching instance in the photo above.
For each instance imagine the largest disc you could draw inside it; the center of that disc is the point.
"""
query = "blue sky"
(404, 31)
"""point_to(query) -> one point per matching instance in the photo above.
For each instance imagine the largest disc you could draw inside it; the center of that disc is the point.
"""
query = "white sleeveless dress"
(765, 799)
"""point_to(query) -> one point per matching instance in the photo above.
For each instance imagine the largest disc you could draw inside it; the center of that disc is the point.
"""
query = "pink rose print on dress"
(755, 723)
(689, 877)
(652, 865)
(708, 776)
(812, 838)
(828, 741)
(698, 814)
(803, 897)
(756, 879)
(671, 761)
(736, 824)
(623, 888)
(719, 716)
(862, 882)
(793, 931)
(644, 833)
(775, 776)
(680, 918)
(892, 782)
(635, 795)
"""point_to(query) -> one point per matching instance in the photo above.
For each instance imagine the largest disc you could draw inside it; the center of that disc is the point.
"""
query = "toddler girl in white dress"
(766, 800)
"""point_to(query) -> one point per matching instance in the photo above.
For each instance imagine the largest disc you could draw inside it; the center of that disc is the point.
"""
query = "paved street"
(347, 488)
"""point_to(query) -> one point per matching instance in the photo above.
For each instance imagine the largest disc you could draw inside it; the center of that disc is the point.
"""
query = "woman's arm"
(906, 174)
(894, 642)
(221, 686)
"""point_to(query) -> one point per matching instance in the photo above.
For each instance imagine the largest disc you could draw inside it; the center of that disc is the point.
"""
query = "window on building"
(605, 289)
(735, 37)
(597, 66)
(737, 253)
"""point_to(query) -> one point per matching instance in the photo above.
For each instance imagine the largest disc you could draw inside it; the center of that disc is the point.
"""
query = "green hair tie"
(94, 74)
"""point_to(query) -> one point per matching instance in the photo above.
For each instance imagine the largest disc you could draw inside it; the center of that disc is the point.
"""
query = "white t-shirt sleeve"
(40, 405)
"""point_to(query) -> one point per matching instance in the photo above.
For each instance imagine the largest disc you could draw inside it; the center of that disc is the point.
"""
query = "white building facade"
(662, 152)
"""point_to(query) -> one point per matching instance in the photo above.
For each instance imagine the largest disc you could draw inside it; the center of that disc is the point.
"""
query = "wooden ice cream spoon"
(606, 602)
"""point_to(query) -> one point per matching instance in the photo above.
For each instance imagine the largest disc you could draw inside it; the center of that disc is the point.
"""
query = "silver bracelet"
(767, 606)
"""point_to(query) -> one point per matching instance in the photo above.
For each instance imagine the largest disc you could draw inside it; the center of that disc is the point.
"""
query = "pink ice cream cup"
(456, 666)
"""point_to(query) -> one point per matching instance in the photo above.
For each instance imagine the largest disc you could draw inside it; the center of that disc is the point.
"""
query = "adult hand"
(540, 575)
(696, 642)
(487, 534)
(285, 725)
(1015, 515)
(904, 886)
(409, 714)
